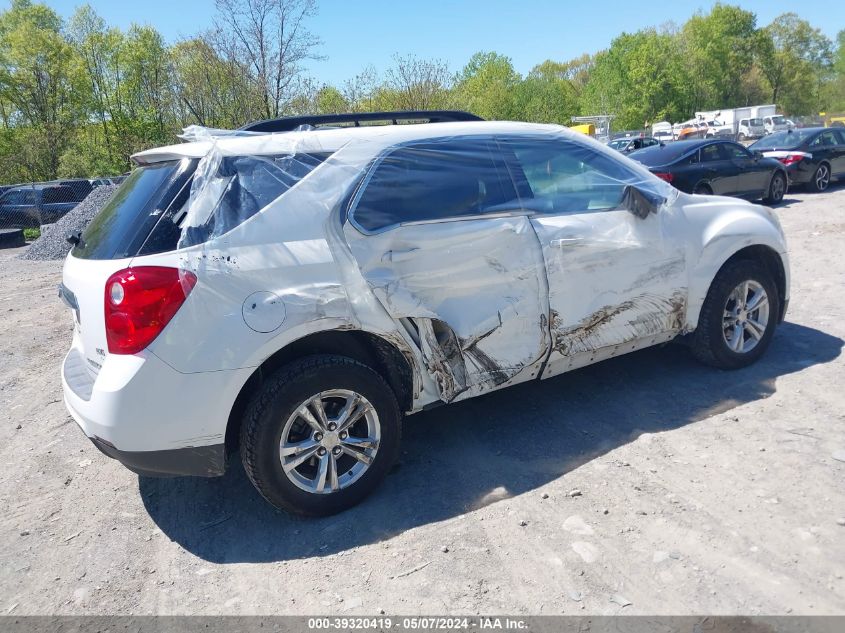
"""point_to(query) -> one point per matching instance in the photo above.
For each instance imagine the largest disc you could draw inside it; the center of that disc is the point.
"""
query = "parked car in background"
(29, 206)
(341, 278)
(812, 156)
(716, 167)
(628, 145)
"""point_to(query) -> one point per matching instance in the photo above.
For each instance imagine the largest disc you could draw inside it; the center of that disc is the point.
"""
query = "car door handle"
(566, 241)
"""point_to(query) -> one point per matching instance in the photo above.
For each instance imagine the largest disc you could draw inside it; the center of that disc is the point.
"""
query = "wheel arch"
(370, 349)
(774, 263)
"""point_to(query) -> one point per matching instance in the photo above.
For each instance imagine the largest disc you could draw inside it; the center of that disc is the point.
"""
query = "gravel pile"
(52, 243)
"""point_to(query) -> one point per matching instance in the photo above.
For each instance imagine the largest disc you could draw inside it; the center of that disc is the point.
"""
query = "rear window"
(121, 226)
(663, 154)
(149, 213)
(244, 185)
(784, 140)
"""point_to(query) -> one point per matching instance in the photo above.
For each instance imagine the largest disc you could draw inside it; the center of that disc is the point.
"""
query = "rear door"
(616, 281)
(438, 234)
(752, 175)
(722, 175)
(825, 147)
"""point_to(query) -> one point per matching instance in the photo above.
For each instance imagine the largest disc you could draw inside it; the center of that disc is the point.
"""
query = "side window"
(825, 139)
(734, 151)
(562, 176)
(435, 180)
(57, 194)
(710, 153)
(840, 136)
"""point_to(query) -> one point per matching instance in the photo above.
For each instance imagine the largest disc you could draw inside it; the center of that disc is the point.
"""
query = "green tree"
(795, 59)
(718, 50)
(42, 83)
(640, 79)
(487, 86)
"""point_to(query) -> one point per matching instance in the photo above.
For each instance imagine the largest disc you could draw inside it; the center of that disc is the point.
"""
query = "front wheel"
(320, 435)
(738, 317)
(777, 189)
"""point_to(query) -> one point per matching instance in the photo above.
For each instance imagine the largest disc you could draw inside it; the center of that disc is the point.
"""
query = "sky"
(360, 33)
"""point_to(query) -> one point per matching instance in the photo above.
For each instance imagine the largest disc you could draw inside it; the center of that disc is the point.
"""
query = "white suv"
(293, 294)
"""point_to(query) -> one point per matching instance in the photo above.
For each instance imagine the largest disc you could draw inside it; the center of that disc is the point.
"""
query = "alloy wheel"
(822, 177)
(778, 188)
(329, 441)
(745, 317)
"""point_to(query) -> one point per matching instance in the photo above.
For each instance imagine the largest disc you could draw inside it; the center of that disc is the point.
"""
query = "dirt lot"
(700, 491)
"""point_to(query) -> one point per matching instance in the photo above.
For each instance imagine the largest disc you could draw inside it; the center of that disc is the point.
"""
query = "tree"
(42, 81)
(416, 84)
(794, 59)
(486, 86)
(269, 39)
(718, 49)
(639, 79)
(546, 95)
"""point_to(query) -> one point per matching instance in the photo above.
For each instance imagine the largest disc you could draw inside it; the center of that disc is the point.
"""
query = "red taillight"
(664, 176)
(791, 159)
(139, 303)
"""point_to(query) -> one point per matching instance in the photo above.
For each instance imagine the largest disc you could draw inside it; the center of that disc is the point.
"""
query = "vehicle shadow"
(467, 455)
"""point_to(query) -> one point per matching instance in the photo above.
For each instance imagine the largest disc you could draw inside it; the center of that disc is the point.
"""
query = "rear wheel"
(821, 178)
(777, 189)
(320, 435)
(738, 317)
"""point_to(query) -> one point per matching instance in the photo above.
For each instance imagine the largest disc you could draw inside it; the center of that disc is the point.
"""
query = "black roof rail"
(290, 123)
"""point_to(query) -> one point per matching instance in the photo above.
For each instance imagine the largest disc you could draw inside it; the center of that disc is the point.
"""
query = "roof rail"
(290, 123)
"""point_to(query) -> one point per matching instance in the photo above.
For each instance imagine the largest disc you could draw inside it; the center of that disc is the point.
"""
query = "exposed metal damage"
(636, 318)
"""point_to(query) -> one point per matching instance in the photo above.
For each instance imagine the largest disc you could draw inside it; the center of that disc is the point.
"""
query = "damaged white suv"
(293, 294)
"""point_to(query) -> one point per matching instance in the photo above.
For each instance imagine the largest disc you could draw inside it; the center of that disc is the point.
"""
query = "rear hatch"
(140, 219)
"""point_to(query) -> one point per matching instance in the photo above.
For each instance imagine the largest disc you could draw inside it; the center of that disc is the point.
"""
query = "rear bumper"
(148, 416)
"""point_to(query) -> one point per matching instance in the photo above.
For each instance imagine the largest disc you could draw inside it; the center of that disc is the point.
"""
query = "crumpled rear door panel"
(472, 292)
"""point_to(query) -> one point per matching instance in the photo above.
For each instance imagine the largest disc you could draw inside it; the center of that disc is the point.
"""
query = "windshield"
(778, 120)
(619, 144)
(783, 140)
(756, 122)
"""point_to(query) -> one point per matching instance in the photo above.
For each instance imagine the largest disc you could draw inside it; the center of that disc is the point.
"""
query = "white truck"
(740, 123)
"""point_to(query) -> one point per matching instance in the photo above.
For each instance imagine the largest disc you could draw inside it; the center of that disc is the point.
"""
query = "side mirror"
(640, 202)
(757, 154)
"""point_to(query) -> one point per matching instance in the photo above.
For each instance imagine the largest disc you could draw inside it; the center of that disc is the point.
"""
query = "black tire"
(703, 189)
(817, 183)
(708, 341)
(775, 194)
(277, 400)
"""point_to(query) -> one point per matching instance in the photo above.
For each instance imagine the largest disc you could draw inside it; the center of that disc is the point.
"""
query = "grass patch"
(31, 234)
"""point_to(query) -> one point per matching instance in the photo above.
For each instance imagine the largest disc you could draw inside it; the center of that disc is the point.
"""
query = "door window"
(825, 139)
(436, 180)
(560, 176)
(735, 151)
(710, 153)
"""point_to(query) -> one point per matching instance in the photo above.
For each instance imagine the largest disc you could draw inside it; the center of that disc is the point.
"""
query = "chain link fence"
(26, 207)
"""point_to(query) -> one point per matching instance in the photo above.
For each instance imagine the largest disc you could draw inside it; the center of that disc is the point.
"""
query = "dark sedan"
(716, 167)
(811, 155)
(33, 205)
(628, 144)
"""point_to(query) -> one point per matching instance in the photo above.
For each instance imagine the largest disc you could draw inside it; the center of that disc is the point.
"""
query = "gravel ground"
(52, 243)
(647, 484)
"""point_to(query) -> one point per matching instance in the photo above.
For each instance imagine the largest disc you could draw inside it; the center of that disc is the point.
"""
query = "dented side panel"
(474, 290)
(614, 279)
